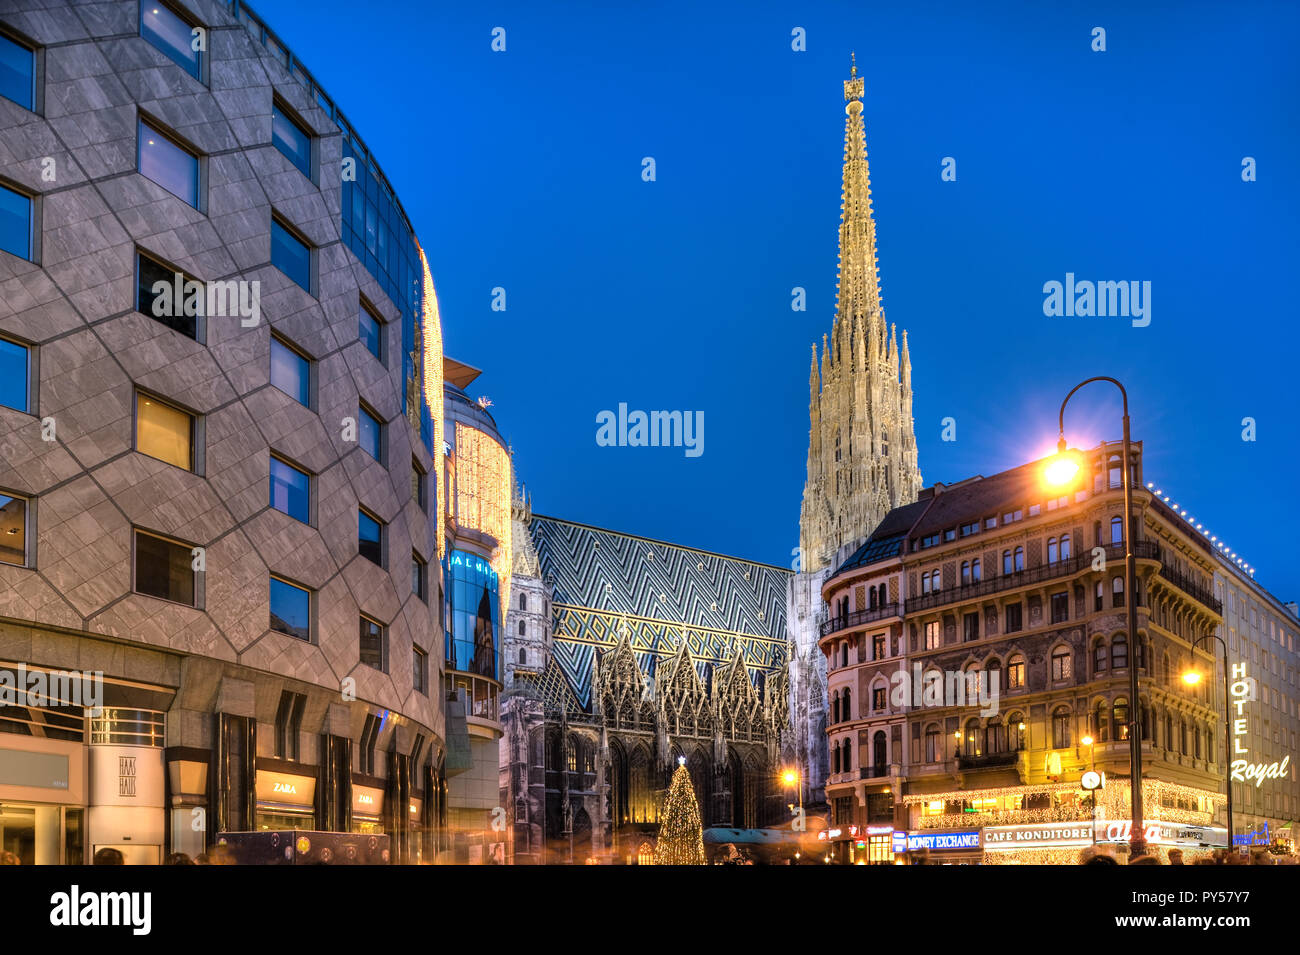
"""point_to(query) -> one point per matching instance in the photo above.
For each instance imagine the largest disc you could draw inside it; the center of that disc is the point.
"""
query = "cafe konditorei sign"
(1241, 769)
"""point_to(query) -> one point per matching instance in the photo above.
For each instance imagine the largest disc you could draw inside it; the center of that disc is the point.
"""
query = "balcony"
(1144, 550)
(874, 772)
(1191, 588)
(859, 617)
(987, 760)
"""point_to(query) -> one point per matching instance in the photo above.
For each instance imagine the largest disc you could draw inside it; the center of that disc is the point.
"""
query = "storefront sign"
(285, 790)
(1164, 833)
(1040, 835)
(126, 776)
(1242, 689)
(367, 801)
(936, 841)
(42, 770)
(1259, 837)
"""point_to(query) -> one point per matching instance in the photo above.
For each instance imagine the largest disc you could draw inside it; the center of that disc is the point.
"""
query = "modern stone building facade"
(150, 442)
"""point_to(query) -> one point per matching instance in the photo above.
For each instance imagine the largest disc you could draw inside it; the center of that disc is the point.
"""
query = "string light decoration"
(484, 492)
(681, 836)
(432, 335)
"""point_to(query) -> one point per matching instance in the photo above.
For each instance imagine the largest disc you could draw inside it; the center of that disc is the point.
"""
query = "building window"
(521, 629)
(1016, 673)
(1117, 592)
(1016, 731)
(17, 72)
(1020, 559)
(932, 637)
(1097, 604)
(1010, 517)
(419, 670)
(15, 223)
(290, 254)
(1052, 553)
(15, 376)
(1014, 618)
(878, 699)
(1006, 562)
(1099, 657)
(1119, 652)
(290, 371)
(1065, 547)
(370, 433)
(13, 530)
(290, 490)
(370, 329)
(370, 538)
(1119, 720)
(523, 601)
(971, 627)
(419, 483)
(968, 529)
(163, 431)
(995, 740)
(950, 534)
(163, 569)
(374, 650)
(157, 288)
(290, 609)
(161, 159)
(1117, 530)
(932, 750)
(1035, 510)
(976, 575)
(965, 572)
(420, 577)
(1060, 728)
(878, 647)
(1062, 668)
(166, 30)
(1060, 607)
(288, 723)
(291, 138)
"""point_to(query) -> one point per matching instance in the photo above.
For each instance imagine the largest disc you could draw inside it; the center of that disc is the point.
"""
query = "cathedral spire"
(859, 409)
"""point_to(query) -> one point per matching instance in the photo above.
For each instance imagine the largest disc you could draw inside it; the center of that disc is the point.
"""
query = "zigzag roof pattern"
(663, 595)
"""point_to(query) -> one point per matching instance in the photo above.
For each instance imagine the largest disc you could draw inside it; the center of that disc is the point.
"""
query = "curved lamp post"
(1061, 470)
(1193, 677)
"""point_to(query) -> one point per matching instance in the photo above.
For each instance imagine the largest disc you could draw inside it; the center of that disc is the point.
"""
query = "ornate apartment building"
(979, 665)
(861, 445)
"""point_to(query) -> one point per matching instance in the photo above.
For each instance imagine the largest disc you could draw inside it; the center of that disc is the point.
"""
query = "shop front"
(285, 801)
(367, 810)
(1036, 843)
(42, 800)
(963, 847)
(127, 798)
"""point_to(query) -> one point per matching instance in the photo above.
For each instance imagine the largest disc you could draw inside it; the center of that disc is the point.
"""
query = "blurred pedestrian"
(107, 856)
(1175, 856)
(8, 858)
(178, 858)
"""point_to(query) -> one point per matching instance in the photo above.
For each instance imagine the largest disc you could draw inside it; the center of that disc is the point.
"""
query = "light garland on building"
(432, 335)
(484, 484)
(1227, 552)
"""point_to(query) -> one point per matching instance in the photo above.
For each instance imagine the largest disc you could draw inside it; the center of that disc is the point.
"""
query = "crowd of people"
(1259, 855)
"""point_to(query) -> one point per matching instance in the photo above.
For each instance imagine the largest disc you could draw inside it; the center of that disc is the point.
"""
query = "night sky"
(522, 170)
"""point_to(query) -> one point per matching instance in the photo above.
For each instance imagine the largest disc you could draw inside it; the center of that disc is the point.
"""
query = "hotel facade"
(978, 667)
(225, 490)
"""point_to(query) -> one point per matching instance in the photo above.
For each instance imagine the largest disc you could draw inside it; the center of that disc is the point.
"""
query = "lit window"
(163, 569)
(370, 538)
(291, 139)
(15, 223)
(370, 433)
(290, 490)
(167, 163)
(165, 29)
(164, 432)
(290, 372)
(372, 643)
(156, 296)
(290, 254)
(419, 483)
(1062, 668)
(290, 609)
(17, 72)
(370, 331)
(15, 387)
(13, 530)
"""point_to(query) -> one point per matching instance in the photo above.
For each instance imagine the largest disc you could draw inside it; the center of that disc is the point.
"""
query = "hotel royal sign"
(1241, 769)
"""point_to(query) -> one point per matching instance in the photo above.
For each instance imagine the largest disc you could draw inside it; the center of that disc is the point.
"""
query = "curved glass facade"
(473, 614)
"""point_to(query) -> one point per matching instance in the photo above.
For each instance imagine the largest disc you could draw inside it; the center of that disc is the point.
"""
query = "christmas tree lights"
(681, 836)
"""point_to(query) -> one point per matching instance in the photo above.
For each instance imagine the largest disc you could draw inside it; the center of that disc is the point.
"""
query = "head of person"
(107, 856)
(1096, 855)
(1146, 858)
(1175, 856)
(178, 858)
(221, 854)
(8, 858)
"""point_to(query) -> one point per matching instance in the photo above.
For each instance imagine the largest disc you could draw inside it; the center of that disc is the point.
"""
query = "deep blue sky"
(523, 170)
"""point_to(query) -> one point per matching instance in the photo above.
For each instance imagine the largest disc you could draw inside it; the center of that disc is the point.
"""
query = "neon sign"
(1242, 770)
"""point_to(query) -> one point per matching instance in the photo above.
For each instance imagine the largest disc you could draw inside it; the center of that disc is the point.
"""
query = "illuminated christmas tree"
(681, 836)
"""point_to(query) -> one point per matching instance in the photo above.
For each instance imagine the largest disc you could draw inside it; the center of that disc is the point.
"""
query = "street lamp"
(1092, 780)
(1062, 470)
(1192, 678)
(791, 779)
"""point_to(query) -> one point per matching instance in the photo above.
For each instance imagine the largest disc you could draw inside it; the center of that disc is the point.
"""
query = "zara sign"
(1242, 770)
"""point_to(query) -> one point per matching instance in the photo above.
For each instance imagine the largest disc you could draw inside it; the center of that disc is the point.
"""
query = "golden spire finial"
(853, 85)
(853, 56)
